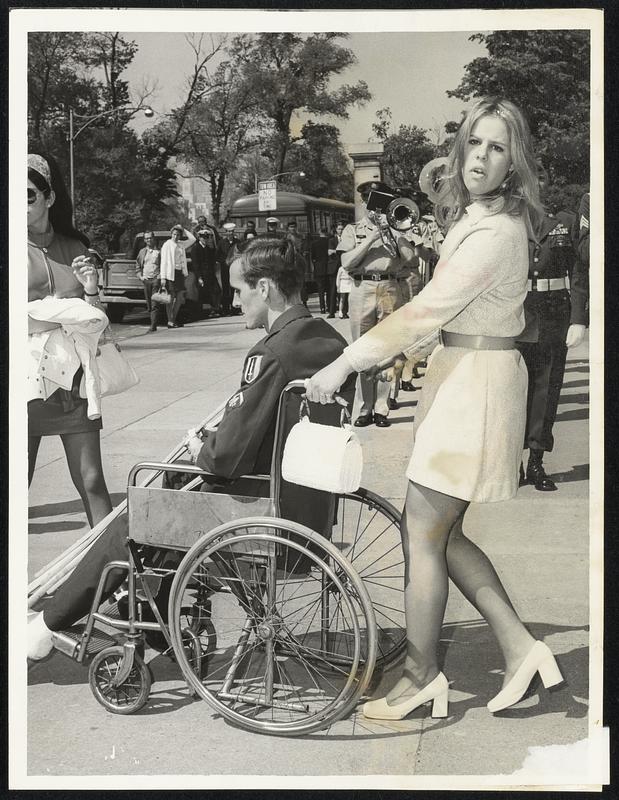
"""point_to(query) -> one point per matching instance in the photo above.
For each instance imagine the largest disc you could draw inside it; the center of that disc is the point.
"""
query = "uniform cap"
(374, 186)
(229, 226)
(272, 219)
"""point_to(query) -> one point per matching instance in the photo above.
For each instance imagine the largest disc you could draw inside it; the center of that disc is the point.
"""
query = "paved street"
(539, 543)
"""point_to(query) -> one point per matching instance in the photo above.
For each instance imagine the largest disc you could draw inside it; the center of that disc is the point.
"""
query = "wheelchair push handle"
(304, 409)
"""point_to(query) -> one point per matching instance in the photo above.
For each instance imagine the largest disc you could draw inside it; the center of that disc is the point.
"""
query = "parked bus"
(310, 213)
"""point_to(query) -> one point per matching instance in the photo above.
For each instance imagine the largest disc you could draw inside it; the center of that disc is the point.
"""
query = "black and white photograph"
(306, 449)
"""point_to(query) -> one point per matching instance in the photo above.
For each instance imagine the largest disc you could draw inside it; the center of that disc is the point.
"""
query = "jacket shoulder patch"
(252, 368)
(236, 400)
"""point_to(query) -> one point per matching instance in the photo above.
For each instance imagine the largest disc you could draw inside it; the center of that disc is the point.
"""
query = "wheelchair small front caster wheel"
(130, 695)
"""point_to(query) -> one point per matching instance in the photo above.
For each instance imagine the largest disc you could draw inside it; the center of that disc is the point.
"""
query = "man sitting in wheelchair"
(267, 283)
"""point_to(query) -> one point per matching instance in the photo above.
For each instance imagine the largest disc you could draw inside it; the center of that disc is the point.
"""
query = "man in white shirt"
(148, 262)
(174, 269)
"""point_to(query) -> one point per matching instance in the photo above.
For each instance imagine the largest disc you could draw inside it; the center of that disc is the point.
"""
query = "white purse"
(116, 374)
(323, 456)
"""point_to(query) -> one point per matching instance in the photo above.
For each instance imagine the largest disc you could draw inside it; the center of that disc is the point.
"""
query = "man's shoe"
(392, 403)
(364, 420)
(330, 316)
(407, 386)
(536, 474)
(152, 329)
(345, 316)
(381, 421)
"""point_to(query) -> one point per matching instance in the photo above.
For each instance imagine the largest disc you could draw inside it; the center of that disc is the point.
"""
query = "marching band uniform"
(550, 308)
(379, 288)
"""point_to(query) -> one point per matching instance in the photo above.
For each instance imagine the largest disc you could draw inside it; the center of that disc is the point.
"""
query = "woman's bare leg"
(473, 574)
(83, 453)
(428, 519)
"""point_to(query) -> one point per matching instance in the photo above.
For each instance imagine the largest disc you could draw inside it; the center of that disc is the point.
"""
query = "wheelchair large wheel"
(129, 696)
(367, 533)
(294, 626)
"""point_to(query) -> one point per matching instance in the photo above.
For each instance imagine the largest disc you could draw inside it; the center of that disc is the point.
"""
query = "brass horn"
(402, 214)
(431, 180)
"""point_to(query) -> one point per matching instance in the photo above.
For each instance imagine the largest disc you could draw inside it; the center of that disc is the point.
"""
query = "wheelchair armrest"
(179, 466)
(164, 466)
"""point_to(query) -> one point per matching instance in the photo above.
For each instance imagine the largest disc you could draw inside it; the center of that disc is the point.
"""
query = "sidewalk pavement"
(538, 542)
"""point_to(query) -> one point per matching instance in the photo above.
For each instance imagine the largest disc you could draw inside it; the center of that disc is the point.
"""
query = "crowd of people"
(495, 286)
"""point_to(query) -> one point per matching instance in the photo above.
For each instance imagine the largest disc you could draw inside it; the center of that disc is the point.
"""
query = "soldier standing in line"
(555, 319)
(379, 288)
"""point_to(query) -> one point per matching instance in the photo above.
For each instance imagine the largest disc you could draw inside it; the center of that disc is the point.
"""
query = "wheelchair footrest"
(68, 641)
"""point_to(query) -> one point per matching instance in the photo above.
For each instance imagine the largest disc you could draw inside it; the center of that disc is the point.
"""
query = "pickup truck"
(122, 289)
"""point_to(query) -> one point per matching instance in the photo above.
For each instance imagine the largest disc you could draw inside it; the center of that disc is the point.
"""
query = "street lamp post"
(301, 174)
(73, 134)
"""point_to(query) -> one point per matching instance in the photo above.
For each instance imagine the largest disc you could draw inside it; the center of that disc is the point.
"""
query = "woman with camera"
(469, 424)
(62, 336)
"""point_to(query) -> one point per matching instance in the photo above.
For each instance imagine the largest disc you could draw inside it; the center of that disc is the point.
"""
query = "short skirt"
(470, 424)
(63, 412)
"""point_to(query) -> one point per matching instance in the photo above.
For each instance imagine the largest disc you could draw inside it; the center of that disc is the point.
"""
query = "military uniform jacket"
(553, 255)
(297, 346)
(377, 258)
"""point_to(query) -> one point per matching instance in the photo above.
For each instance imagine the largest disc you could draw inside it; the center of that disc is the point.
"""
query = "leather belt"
(547, 284)
(448, 339)
(381, 276)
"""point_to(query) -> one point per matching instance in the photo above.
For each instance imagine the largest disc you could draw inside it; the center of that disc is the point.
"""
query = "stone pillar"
(366, 167)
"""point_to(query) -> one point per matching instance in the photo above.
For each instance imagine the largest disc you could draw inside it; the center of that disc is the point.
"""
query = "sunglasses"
(32, 196)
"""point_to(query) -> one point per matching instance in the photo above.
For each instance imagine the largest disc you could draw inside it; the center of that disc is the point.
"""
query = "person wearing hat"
(173, 270)
(204, 265)
(379, 288)
(271, 231)
(555, 318)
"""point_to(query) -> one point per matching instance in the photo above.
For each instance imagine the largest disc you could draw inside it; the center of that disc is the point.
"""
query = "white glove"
(575, 335)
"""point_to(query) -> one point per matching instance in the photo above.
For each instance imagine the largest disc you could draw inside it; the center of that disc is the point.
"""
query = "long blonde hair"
(519, 190)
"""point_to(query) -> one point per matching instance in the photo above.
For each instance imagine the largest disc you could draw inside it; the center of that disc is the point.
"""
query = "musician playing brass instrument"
(378, 258)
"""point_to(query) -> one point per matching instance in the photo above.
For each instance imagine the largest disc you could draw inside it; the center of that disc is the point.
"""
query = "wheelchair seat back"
(176, 520)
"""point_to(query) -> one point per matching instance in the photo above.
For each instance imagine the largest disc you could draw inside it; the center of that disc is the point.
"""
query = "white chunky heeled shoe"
(539, 659)
(436, 691)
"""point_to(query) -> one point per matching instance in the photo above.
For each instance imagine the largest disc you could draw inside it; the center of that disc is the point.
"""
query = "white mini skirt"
(470, 424)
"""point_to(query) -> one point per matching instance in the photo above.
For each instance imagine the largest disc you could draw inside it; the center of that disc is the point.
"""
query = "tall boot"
(536, 474)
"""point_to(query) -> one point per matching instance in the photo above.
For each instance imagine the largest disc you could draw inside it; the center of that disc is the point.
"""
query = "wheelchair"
(276, 627)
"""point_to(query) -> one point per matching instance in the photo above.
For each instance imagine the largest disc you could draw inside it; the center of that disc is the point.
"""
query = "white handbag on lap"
(323, 456)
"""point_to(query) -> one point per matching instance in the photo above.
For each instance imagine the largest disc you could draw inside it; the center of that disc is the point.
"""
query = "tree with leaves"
(546, 74)
(288, 73)
(320, 156)
(120, 183)
(219, 129)
(406, 151)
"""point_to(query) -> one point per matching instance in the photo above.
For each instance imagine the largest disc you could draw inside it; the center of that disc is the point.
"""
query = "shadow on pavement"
(39, 528)
(579, 472)
(581, 398)
(70, 507)
(473, 665)
(572, 416)
(575, 384)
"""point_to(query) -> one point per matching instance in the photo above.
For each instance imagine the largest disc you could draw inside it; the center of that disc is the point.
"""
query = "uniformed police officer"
(267, 284)
(555, 319)
(379, 288)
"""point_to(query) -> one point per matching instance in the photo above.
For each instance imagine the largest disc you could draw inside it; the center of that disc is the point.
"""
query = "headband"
(40, 165)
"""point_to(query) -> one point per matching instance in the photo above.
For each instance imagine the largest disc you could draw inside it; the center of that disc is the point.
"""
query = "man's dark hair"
(274, 259)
